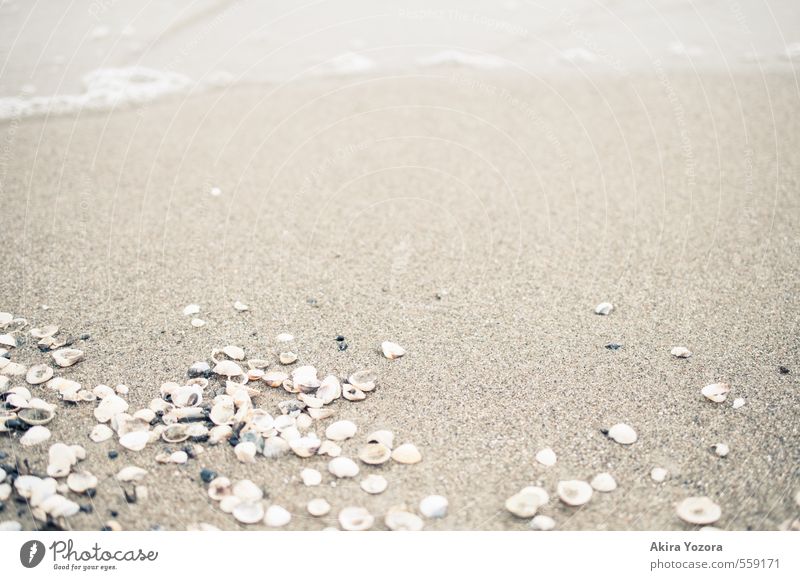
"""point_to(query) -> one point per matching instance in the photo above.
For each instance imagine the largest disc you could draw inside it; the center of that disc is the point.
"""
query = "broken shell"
(35, 435)
(66, 357)
(400, 520)
(355, 519)
(382, 436)
(248, 512)
(433, 506)
(525, 503)
(374, 454)
(110, 406)
(5, 319)
(318, 507)
(574, 492)
(246, 452)
(340, 430)
(363, 380)
(698, 510)
(39, 374)
(277, 516)
(604, 308)
(622, 434)
(407, 453)
(10, 368)
(546, 457)
(659, 474)
(329, 448)
(721, 449)
(8, 340)
(187, 396)
(737, 403)
(101, 433)
(374, 484)
(81, 481)
(392, 350)
(311, 477)
(604, 482)
(191, 309)
(135, 440)
(681, 352)
(131, 473)
(716, 392)
(329, 389)
(35, 415)
(343, 467)
(240, 306)
(351, 393)
(542, 523)
(222, 413)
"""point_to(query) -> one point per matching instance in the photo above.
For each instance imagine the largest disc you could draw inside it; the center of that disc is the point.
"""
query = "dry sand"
(476, 220)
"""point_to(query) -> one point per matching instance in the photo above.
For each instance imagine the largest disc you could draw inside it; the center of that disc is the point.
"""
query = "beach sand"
(474, 218)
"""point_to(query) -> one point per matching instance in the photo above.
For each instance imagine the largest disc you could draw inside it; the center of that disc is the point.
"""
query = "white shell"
(382, 436)
(39, 374)
(235, 352)
(248, 512)
(659, 474)
(240, 306)
(355, 519)
(277, 516)
(228, 368)
(604, 482)
(546, 457)
(131, 473)
(219, 488)
(318, 507)
(135, 440)
(698, 510)
(721, 449)
(35, 435)
(543, 523)
(275, 447)
(66, 357)
(191, 309)
(109, 406)
(374, 453)
(374, 484)
(604, 308)
(622, 434)
(681, 352)
(525, 503)
(392, 350)
(247, 491)
(100, 433)
(340, 430)
(716, 392)
(274, 378)
(343, 467)
(433, 506)
(81, 481)
(246, 452)
(738, 403)
(311, 477)
(574, 492)
(407, 453)
(400, 520)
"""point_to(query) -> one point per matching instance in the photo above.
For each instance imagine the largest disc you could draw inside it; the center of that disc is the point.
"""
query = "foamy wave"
(451, 57)
(105, 89)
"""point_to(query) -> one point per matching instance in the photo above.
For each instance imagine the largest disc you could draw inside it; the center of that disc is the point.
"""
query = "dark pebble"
(91, 492)
(339, 338)
(3, 455)
(85, 337)
(87, 508)
(113, 513)
(234, 441)
(113, 454)
(613, 346)
(207, 475)
(105, 529)
(783, 370)
(342, 346)
(2, 506)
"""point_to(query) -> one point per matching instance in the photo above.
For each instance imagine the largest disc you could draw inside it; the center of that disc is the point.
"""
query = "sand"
(474, 218)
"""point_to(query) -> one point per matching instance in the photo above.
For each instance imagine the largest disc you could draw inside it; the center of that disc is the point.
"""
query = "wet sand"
(476, 219)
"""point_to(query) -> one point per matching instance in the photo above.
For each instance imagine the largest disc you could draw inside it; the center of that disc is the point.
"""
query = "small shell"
(604, 482)
(304, 446)
(574, 492)
(363, 380)
(135, 440)
(131, 473)
(247, 491)
(228, 368)
(525, 503)
(81, 482)
(374, 484)
(274, 378)
(738, 403)
(329, 389)
(340, 430)
(175, 433)
(287, 358)
(246, 452)
(400, 520)
(108, 407)
(330, 449)
(355, 519)
(681, 352)
(219, 488)
(277, 516)
(721, 449)
(659, 474)
(66, 357)
(542, 523)
(407, 453)
(100, 433)
(248, 512)
(716, 392)
(178, 457)
(8, 340)
(240, 306)
(622, 434)
(392, 350)
(351, 393)
(343, 467)
(311, 477)
(374, 453)
(45, 331)
(699, 511)
(191, 310)
(318, 507)
(546, 457)
(35, 435)
(604, 308)
(275, 447)
(36, 415)
(234, 352)
(39, 374)
(382, 436)
(433, 506)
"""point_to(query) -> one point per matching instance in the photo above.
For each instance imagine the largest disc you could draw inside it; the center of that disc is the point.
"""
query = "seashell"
(305, 446)
(146, 415)
(81, 482)
(392, 350)
(400, 520)
(274, 378)
(305, 378)
(240, 306)
(234, 352)
(228, 368)
(5, 319)
(228, 503)
(187, 396)
(698, 511)
(275, 447)
(374, 484)
(248, 512)
(35, 435)
(681, 352)
(4, 382)
(178, 457)
(574, 492)
(546, 457)
(311, 477)
(10, 526)
(738, 403)
(191, 309)
(622, 434)
(246, 452)
(219, 433)
(66, 357)
(247, 491)
(222, 413)
(57, 506)
(287, 358)
(61, 458)
(198, 369)
(35, 415)
(135, 440)
(604, 308)
(351, 393)
(433, 506)
(319, 414)
(603, 482)
(110, 406)
(329, 389)
(340, 430)
(309, 401)
(721, 449)
(257, 363)
(374, 453)
(219, 488)
(343, 467)
(363, 380)
(383, 437)
(542, 523)
(355, 519)
(102, 391)
(12, 369)
(39, 374)
(330, 449)
(407, 454)
(8, 340)
(304, 422)
(45, 331)
(658, 474)
(100, 433)
(318, 507)
(527, 501)
(122, 389)
(5, 493)
(198, 322)
(277, 516)
(131, 473)
(716, 392)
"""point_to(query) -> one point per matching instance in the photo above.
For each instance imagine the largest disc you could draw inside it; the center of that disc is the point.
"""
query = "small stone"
(207, 475)
(623, 434)
(721, 449)
(681, 352)
(433, 506)
(604, 308)
(191, 310)
(311, 477)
